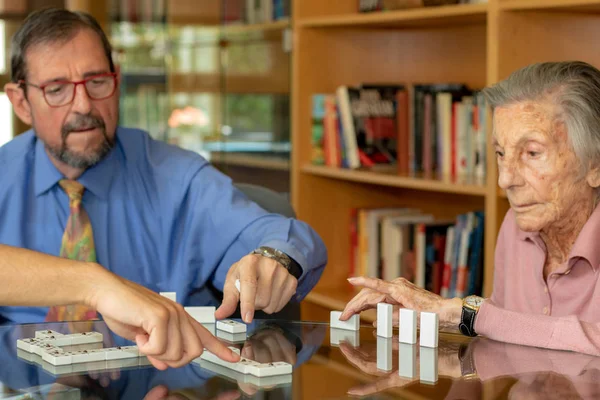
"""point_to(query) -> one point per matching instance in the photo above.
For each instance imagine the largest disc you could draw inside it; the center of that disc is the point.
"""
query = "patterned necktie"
(77, 244)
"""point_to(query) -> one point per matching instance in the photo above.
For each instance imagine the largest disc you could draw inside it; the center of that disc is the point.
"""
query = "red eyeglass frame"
(75, 84)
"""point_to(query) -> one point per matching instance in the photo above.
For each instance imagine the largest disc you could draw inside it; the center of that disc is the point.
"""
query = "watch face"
(474, 301)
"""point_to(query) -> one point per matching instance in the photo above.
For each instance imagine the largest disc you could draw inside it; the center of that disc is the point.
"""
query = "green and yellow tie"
(77, 244)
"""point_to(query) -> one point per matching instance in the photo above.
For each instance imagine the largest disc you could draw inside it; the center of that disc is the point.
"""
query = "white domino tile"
(231, 337)
(85, 356)
(27, 344)
(384, 320)
(57, 357)
(337, 336)
(120, 353)
(231, 326)
(384, 354)
(407, 320)
(85, 338)
(429, 329)
(204, 315)
(353, 323)
(428, 364)
(43, 347)
(246, 366)
(169, 295)
(269, 369)
(47, 334)
(407, 360)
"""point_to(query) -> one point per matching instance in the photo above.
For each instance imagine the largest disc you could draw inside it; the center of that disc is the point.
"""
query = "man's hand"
(265, 285)
(402, 293)
(161, 328)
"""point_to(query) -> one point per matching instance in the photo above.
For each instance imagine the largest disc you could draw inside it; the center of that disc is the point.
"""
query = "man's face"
(80, 133)
(537, 166)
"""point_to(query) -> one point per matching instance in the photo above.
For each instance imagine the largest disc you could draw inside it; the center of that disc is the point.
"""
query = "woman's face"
(537, 167)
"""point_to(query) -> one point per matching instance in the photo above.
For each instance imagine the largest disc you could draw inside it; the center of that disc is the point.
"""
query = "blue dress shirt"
(162, 217)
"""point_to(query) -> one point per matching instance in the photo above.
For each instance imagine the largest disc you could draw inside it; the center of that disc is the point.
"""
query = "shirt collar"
(585, 245)
(96, 179)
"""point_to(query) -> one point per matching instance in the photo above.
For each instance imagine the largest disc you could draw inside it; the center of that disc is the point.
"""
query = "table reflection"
(327, 364)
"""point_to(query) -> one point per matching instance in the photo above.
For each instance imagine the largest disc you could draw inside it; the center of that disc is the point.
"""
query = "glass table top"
(327, 364)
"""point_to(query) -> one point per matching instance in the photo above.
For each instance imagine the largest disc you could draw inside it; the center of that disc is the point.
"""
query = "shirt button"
(546, 289)
(545, 310)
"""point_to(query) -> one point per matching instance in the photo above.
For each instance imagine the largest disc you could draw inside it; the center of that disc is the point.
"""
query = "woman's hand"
(404, 294)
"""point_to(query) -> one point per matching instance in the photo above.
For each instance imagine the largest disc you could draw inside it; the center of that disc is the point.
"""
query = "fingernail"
(249, 316)
(352, 279)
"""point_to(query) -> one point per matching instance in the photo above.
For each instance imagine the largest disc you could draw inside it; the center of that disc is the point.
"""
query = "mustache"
(82, 122)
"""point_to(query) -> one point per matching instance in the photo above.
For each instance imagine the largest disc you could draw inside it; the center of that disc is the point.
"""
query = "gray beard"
(77, 160)
(81, 161)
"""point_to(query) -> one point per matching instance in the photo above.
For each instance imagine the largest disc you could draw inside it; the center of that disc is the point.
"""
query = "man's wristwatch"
(470, 309)
(288, 262)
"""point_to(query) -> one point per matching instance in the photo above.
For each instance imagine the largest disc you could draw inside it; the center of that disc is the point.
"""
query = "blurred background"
(206, 75)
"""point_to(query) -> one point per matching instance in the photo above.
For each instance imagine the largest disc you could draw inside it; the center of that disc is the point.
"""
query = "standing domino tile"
(429, 364)
(204, 315)
(408, 326)
(231, 326)
(384, 354)
(407, 360)
(353, 323)
(384, 320)
(429, 329)
(169, 295)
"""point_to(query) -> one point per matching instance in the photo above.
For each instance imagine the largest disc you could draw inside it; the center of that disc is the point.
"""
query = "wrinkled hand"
(161, 328)
(402, 293)
(265, 285)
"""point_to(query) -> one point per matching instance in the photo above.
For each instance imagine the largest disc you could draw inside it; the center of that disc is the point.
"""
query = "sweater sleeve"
(558, 333)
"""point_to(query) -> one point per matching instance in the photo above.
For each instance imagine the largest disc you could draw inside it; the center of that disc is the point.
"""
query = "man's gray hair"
(574, 86)
(51, 25)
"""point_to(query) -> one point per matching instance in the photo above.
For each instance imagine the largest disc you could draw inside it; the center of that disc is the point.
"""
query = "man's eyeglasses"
(61, 93)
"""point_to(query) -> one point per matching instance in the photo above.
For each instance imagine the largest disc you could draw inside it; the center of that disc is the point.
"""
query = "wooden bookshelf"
(251, 161)
(427, 16)
(477, 44)
(391, 178)
(235, 29)
(584, 6)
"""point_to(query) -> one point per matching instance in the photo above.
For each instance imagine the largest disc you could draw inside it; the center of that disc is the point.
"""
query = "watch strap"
(467, 322)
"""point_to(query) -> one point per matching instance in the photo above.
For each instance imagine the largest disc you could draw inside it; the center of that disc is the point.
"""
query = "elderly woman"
(546, 288)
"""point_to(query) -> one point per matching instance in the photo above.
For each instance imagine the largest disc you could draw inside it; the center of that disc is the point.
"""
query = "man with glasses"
(156, 218)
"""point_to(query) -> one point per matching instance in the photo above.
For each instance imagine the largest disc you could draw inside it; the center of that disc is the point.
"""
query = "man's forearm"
(31, 278)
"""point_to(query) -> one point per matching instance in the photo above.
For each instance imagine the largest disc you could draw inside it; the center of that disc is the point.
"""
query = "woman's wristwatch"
(471, 305)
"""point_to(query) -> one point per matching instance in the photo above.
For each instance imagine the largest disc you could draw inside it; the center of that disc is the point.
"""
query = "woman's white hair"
(574, 86)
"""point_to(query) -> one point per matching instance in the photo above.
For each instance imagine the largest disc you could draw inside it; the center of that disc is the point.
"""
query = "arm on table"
(558, 333)
(162, 329)
(30, 278)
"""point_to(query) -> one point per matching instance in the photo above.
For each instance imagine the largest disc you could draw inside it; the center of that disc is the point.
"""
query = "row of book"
(391, 5)
(435, 129)
(442, 256)
(255, 11)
